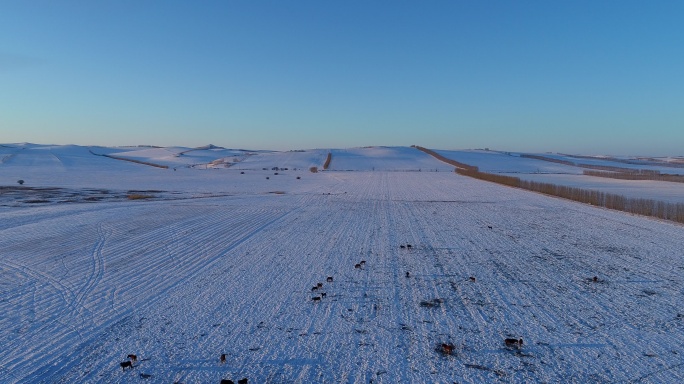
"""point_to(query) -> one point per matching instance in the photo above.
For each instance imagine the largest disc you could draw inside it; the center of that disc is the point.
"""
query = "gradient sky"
(564, 76)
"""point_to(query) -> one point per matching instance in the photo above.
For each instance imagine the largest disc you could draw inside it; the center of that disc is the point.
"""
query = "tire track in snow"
(97, 269)
(55, 309)
(314, 329)
(159, 285)
(235, 285)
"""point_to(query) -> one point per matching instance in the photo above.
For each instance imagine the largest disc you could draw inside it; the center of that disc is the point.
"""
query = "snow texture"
(218, 261)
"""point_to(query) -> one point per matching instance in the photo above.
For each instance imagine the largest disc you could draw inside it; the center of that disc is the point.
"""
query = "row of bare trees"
(639, 175)
(639, 161)
(574, 164)
(614, 172)
(444, 159)
(646, 207)
(327, 161)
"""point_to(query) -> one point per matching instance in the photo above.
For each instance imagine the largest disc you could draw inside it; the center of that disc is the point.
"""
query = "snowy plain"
(219, 261)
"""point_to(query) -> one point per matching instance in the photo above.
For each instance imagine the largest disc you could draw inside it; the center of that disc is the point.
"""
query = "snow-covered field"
(220, 262)
(513, 164)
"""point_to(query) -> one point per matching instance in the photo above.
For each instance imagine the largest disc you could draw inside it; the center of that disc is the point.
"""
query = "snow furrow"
(180, 283)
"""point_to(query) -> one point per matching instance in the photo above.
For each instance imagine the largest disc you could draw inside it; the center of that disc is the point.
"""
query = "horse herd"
(444, 348)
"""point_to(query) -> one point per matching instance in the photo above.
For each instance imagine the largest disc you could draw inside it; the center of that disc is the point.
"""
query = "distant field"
(561, 174)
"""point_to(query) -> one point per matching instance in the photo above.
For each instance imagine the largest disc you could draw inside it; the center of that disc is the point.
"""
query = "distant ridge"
(202, 148)
(208, 146)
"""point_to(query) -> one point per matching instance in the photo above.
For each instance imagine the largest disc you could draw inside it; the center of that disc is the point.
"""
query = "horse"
(514, 343)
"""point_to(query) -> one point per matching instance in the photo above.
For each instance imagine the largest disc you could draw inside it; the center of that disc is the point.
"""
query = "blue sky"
(564, 76)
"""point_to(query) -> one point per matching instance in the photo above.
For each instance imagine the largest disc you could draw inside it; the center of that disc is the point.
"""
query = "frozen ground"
(224, 263)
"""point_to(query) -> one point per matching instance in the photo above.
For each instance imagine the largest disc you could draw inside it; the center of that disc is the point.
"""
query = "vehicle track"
(97, 267)
(137, 292)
